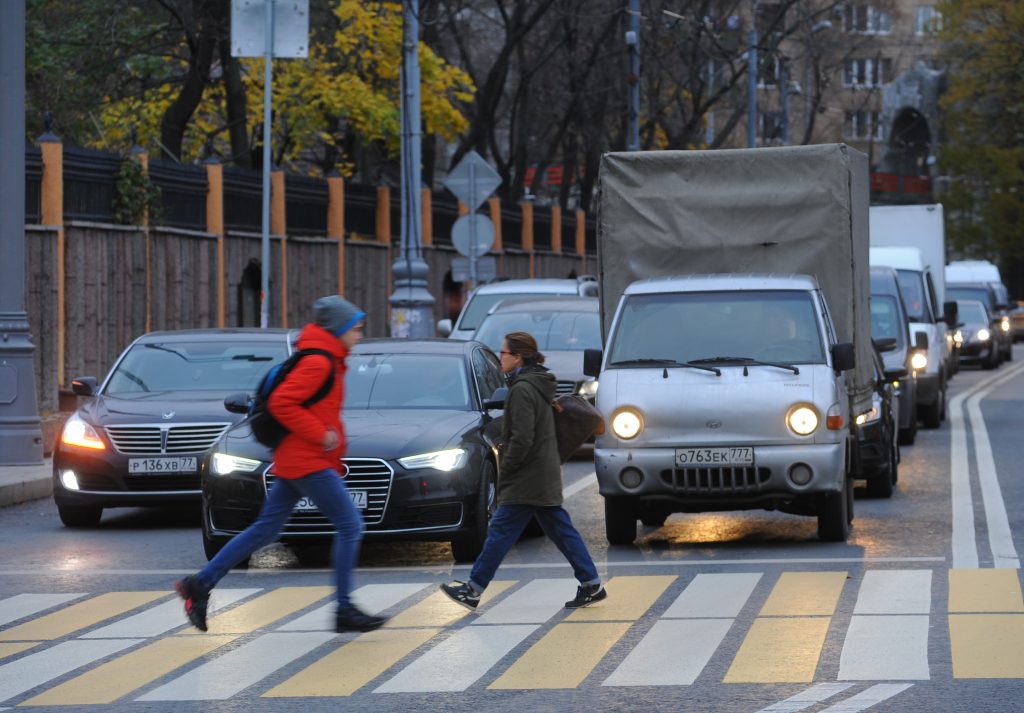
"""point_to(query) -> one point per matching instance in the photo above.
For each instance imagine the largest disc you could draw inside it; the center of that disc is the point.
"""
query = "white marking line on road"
(806, 699)
(535, 603)
(236, 670)
(36, 669)
(371, 598)
(885, 591)
(867, 698)
(712, 596)
(687, 643)
(164, 617)
(883, 648)
(22, 605)
(585, 482)
(459, 661)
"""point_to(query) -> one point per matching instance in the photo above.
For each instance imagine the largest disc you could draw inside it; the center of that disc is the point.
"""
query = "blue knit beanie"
(336, 315)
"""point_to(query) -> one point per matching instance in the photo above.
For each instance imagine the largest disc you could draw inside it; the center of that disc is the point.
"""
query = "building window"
(864, 125)
(927, 21)
(865, 19)
(867, 72)
(767, 71)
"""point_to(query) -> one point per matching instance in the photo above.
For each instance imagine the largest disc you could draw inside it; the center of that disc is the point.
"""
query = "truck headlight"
(438, 460)
(918, 361)
(627, 423)
(224, 463)
(983, 335)
(802, 420)
(588, 389)
(1004, 324)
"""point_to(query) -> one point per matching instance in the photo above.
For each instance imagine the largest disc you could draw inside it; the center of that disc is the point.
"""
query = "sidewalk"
(20, 483)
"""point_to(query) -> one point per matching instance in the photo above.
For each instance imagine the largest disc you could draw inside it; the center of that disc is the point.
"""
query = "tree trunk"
(178, 114)
(235, 106)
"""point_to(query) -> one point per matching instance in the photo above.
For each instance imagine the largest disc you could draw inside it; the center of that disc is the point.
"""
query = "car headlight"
(224, 463)
(919, 361)
(802, 420)
(79, 433)
(588, 389)
(438, 460)
(1004, 324)
(983, 335)
(872, 415)
(958, 337)
(627, 424)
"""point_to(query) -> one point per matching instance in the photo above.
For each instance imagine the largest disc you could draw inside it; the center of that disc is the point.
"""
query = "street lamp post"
(752, 78)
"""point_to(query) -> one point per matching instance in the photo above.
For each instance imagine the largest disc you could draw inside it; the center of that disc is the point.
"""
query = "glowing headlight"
(79, 433)
(224, 464)
(958, 337)
(802, 420)
(627, 424)
(1005, 324)
(588, 389)
(872, 415)
(983, 335)
(919, 361)
(438, 460)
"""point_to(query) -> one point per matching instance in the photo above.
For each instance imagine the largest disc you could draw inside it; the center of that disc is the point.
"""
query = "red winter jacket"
(301, 452)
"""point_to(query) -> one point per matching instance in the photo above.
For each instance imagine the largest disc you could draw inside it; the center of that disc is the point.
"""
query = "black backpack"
(265, 428)
(576, 420)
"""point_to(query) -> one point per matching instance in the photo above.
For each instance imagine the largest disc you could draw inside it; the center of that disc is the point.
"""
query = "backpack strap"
(325, 388)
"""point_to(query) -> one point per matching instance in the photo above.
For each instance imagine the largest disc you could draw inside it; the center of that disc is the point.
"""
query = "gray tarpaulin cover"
(786, 210)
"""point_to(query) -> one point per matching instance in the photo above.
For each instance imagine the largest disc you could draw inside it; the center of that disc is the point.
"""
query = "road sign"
(291, 28)
(486, 269)
(473, 235)
(473, 180)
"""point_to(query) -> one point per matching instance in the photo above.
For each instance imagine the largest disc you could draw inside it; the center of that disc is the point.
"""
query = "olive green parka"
(530, 471)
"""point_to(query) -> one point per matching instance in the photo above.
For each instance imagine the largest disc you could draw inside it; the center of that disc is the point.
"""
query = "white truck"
(737, 344)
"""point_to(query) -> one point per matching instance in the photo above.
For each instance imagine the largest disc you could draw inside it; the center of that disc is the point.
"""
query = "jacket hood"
(313, 336)
(540, 378)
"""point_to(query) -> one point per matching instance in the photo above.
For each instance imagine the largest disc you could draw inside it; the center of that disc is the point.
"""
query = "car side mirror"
(237, 403)
(497, 400)
(921, 341)
(444, 327)
(592, 362)
(950, 312)
(896, 373)
(84, 385)
(843, 357)
(886, 344)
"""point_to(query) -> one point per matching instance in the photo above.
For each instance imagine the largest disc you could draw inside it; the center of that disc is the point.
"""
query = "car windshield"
(222, 366)
(406, 381)
(480, 304)
(885, 319)
(979, 294)
(554, 331)
(912, 289)
(971, 312)
(778, 326)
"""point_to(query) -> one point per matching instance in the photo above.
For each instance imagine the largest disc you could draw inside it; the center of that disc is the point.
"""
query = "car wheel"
(931, 415)
(834, 515)
(467, 547)
(881, 486)
(211, 547)
(992, 361)
(908, 435)
(653, 519)
(312, 555)
(619, 521)
(79, 516)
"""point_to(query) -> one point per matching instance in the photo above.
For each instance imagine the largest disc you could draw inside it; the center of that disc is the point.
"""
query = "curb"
(23, 491)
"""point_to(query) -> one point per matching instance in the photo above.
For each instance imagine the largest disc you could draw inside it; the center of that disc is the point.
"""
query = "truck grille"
(165, 439)
(370, 474)
(716, 481)
(565, 387)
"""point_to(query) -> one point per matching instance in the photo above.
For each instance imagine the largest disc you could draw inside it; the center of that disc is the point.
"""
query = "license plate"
(710, 457)
(358, 499)
(161, 465)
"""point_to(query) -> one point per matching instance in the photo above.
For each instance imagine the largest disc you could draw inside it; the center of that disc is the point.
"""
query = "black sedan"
(141, 436)
(422, 450)
(878, 429)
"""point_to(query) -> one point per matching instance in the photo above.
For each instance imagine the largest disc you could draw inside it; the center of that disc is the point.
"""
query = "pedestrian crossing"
(886, 626)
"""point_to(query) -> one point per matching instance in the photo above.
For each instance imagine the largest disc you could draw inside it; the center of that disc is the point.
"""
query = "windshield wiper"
(666, 362)
(251, 357)
(162, 348)
(745, 361)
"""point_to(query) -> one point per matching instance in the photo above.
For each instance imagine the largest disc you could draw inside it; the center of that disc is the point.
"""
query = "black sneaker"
(196, 597)
(461, 593)
(351, 619)
(587, 594)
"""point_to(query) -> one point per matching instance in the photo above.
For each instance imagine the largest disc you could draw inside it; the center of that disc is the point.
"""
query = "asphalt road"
(921, 610)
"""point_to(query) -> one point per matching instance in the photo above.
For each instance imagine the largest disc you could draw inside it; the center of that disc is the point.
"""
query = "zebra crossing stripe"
(779, 651)
(16, 648)
(79, 616)
(805, 594)
(23, 605)
(629, 598)
(985, 590)
(883, 648)
(895, 592)
(806, 699)
(438, 611)
(362, 660)
(371, 598)
(125, 674)
(563, 657)
(240, 668)
(867, 698)
(534, 603)
(987, 645)
(33, 670)
(163, 617)
(689, 644)
(712, 596)
(264, 610)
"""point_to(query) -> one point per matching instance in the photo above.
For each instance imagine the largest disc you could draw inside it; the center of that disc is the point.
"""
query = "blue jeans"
(325, 488)
(508, 523)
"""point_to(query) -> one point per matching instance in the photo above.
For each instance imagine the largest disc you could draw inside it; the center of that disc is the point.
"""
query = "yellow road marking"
(79, 616)
(563, 657)
(117, 678)
(628, 599)
(985, 590)
(11, 649)
(264, 610)
(805, 594)
(350, 667)
(779, 651)
(987, 645)
(438, 610)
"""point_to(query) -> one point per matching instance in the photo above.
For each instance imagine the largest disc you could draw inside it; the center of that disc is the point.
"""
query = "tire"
(312, 555)
(881, 486)
(619, 521)
(211, 547)
(992, 361)
(87, 516)
(931, 416)
(908, 435)
(466, 547)
(653, 519)
(834, 515)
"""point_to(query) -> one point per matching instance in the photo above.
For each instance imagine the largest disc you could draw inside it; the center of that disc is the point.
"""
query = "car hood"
(566, 366)
(154, 407)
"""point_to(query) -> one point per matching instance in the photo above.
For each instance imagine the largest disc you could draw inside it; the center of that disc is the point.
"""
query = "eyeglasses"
(509, 353)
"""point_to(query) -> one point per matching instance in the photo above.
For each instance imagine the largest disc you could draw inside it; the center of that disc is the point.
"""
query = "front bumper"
(975, 352)
(104, 481)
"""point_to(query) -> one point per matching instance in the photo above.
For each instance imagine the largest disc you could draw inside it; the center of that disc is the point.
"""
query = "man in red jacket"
(305, 464)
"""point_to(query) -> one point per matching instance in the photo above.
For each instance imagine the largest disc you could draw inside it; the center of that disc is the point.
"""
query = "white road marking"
(534, 603)
(459, 661)
(36, 669)
(806, 699)
(687, 643)
(22, 605)
(164, 617)
(236, 670)
(965, 548)
(714, 596)
(371, 598)
(883, 648)
(585, 482)
(894, 591)
(866, 699)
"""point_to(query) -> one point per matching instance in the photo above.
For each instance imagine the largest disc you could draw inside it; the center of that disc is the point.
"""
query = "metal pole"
(633, 43)
(21, 440)
(784, 80)
(752, 79)
(268, 78)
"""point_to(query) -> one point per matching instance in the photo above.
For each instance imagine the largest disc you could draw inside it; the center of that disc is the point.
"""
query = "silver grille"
(165, 439)
(370, 474)
(565, 387)
(716, 481)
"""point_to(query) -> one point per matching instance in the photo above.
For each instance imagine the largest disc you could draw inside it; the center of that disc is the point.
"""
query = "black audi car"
(142, 434)
(422, 450)
(878, 429)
